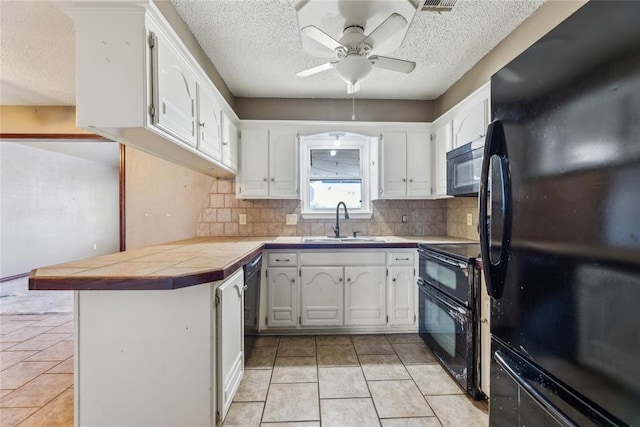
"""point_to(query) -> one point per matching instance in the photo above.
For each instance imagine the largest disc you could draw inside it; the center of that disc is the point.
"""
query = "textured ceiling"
(256, 47)
(37, 60)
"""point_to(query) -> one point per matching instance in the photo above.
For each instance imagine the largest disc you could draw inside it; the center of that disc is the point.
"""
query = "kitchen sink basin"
(323, 239)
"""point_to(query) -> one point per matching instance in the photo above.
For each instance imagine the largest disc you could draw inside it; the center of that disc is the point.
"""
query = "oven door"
(464, 166)
(447, 329)
(453, 277)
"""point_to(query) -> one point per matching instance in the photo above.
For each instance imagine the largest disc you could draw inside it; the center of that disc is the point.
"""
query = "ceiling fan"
(354, 51)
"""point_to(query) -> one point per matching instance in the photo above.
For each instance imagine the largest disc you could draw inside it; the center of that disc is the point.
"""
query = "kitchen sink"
(326, 239)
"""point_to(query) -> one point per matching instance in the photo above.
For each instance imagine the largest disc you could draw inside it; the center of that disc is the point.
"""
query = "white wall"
(57, 200)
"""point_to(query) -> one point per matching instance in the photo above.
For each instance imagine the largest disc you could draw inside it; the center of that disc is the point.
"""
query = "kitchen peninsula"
(148, 318)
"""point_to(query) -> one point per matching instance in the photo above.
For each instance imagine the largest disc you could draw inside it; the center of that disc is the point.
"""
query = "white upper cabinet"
(141, 86)
(471, 118)
(209, 124)
(441, 144)
(229, 138)
(269, 167)
(406, 165)
(255, 163)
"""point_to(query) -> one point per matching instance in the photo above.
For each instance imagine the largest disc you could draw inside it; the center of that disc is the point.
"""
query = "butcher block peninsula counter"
(159, 330)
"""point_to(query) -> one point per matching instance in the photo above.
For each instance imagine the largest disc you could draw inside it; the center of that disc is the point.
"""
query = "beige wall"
(549, 15)
(457, 210)
(38, 119)
(163, 200)
(368, 110)
(219, 217)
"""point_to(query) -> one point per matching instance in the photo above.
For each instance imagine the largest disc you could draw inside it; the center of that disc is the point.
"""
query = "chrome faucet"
(336, 229)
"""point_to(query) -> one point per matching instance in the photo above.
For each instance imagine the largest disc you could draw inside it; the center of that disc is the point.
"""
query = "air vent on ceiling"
(438, 5)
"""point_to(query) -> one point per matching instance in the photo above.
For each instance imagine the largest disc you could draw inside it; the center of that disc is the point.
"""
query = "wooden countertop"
(187, 262)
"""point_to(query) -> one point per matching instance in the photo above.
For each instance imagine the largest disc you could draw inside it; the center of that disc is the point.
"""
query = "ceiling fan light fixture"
(353, 68)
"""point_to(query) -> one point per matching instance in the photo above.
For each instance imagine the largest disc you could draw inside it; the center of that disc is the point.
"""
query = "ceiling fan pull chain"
(353, 106)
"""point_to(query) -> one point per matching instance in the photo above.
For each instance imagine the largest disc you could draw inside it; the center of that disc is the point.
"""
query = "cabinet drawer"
(282, 259)
(343, 258)
(401, 258)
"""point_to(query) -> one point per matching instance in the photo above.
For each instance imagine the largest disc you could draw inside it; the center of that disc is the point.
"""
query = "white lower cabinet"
(365, 299)
(282, 291)
(322, 297)
(230, 342)
(338, 290)
(401, 296)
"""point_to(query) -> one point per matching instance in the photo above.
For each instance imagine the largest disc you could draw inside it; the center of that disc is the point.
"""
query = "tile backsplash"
(457, 210)
(267, 217)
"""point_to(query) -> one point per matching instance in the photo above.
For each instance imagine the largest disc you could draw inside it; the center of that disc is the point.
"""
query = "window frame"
(326, 141)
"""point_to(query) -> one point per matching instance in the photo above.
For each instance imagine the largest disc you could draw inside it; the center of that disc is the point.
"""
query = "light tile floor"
(36, 369)
(349, 380)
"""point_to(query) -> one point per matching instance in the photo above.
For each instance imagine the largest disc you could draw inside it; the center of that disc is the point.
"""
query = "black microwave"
(464, 165)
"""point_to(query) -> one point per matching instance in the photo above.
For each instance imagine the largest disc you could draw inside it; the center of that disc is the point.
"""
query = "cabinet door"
(281, 296)
(283, 177)
(230, 341)
(402, 287)
(442, 145)
(418, 164)
(229, 139)
(209, 125)
(175, 90)
(365, 296)
(394, 164)
(470, 123)
(322, 291)
(255, 163)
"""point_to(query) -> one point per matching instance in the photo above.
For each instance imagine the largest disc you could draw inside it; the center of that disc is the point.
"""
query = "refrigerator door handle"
(503, 360)
(495, 271)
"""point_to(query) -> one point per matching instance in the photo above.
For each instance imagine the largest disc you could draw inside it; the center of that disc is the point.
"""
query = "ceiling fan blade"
(316, 34)
(394, 23)
(353, 87)
(399, 65)
(318, 69)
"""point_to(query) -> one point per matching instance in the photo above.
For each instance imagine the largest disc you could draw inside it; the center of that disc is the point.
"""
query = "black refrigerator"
(560, 225)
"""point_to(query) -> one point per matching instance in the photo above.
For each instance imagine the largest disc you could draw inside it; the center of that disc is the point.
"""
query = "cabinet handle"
(402, 259)
(225, 143)
(393, 280)
(348, 279)
(404, 179)
(264, 179)
(273, 179)
(340, 279)
(293, 280)
(201, 124)
(282, 260)
(411, 180)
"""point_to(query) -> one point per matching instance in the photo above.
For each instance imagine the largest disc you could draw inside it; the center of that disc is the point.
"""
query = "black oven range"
(448, 284)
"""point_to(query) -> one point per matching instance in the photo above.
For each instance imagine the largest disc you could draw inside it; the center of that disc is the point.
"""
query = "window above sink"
(336, 167)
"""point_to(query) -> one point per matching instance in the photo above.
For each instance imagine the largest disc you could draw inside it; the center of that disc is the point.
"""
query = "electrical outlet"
(242, 219)
(292, 219)
(469, 219)
(404, 218)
